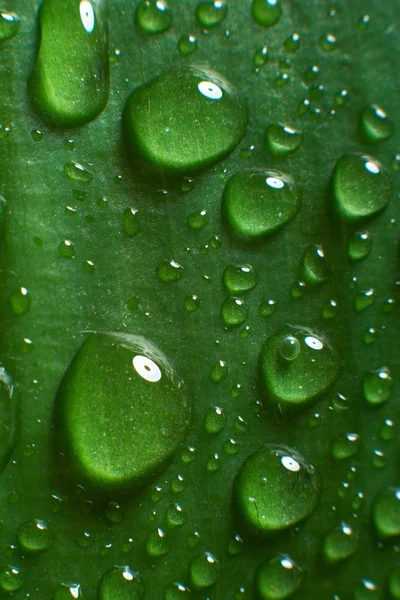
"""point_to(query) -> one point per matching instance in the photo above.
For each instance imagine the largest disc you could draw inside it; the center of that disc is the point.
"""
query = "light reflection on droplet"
(87, 15)
(274, 182)
(313, 343)
(210, 90)
(146, 368)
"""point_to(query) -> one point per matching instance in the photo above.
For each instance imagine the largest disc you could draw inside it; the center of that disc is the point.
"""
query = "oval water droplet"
(296, 373)
(282, 140)
(345, 446)
(157, 544)
(340, 543)
(131, 222)
(211, 13)
(278, 578)
(204, 571)
(169, 271)
(119, 447)
(153, 16)
(266, 12)
(239, 279)
(11, 579)
(257, 203)
(234, 311)
(187, 126)
(20, 302)
(9, 25)
(78, 173)
(34, 536)
(187, 45)
(66, 92)
(375, 125)
(360, 244)
(378, 386)
(215, 420)
(361, 186)
(386, 512)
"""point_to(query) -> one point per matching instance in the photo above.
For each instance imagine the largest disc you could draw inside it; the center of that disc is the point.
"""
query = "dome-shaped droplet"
(153, 16)
(69, 591)
(184, 120)
(157, 543)
(67, 91)
(282, 140)
(278, 578)
(275, 489)
(377, 386)
(315, 268)
(11, 579)
(345, 446)
(394, 584)
(211, 13)
(361, 186)
(34, 536)
(121, 583)
(386, 513)
(204, 571)
(169, 271)
(266, 12)
(177, 591)
(239, 279)
(9, 25)
(360, 244)
(340, 543)
(297, 373)
(234, 311)
(121, 409)
(375, 124)
(215, 420)
(257, 203)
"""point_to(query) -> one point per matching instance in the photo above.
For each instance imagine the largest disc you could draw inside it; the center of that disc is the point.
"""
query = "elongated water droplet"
(360, 244)
(278, 578)
(204, 571)
(121, 409)
(153, 16)
(315, 268)
(375, 124)
(275, 489)
(9, 417)
(361, 186)
(120, 583)
(292, 43)
(257, 203)
(340, 543)
(282, 140)
(66, 92)
(131, 222)
(266, 12)
(78, 174)
(186, 127)
(298, 365)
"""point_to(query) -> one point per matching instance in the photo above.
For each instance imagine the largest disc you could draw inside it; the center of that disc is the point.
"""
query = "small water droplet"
(187, 45)
(375, 125)
(377, 386)
(204, 571)
(234, 311)
(266, 12)
(153, 16)
(9, 25)
(77, 173)
(315, 269)
(278, 578)
(211, 13)
(20, 302)
(121, 582)
(340, 543)
(131, 222)
(169, 271)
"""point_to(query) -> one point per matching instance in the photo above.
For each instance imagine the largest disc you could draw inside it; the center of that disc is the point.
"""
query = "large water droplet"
(361, 186)
(282, 140)
(266, 12)
(34, 536)
(257, 203)
(298, 365)
(204, 571)
(278, 578)
(153, 16)
(375, 124)
(122, 409)
(340, 543)
(121, 583)
(70, 92)
(185, 120)
(275, 489)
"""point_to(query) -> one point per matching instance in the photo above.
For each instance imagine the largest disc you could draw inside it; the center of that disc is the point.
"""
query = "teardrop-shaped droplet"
(297, 373)
(70, 80)
(121, 409)
(184, 120)
(361, 186)
(275, 489)
(278, 578)
(257, 203)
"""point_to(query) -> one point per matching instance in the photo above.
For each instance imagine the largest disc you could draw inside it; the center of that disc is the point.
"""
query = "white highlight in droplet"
(87, 15)
(274, 182)
(287, 563)
(372, 167)
(128, 575)
(210, 90)
(146, 368)
(290, 463)
(313, 343)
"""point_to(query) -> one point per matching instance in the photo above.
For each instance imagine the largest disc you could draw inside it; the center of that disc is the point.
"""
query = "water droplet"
(20, 302)
(231, 447)
(157, 544)
(341, 98)
(178, 484)
(375, 125)
(34, 536)
(153, 16)
(278, 578)
(10, 579)
(386, 512)
(234, 311)
(215, 420)
(367, 590)
(261, 57)
(327, 42)
(177, 591)
(197, 220)
(389, 306)
(66, 92)
(340, 402)
(282, 140)
(88, 267)
(386, 431)
(69, 591)
(37, 135)
(257, 203)
(152, 416)
(311, 369)
(345, 446)
(235, 545)
(360, 244)
(266, 309)
(9, 25)
(219, 371)
(131, 222)
(361, 186)
(377, 386)
(175, 515)
(78, 174)
(275, 489)
(67, 249)
(191, 303)
(315, 268)
(187, 45)
(266, 12)
(379, 459)
(186, 127)
(204, 571)
(364, 299)
(238, 279)
(213, 463)
(330, 309)
(119, 583)
(292, 43)
(9, 418)
(114, 513)
(303, 107)
(340, 543)
(169, 271)
(211, 13)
